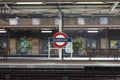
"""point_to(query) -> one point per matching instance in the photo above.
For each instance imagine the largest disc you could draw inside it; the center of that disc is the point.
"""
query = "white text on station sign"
(59, 39)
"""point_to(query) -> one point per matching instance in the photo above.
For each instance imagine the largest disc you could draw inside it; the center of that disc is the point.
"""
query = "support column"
(9, 42)
(60, 28)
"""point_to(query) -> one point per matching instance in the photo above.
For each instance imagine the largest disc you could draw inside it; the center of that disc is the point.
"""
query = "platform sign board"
(60, 39)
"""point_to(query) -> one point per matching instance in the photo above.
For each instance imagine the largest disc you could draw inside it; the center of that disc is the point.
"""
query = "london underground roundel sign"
(60, 39)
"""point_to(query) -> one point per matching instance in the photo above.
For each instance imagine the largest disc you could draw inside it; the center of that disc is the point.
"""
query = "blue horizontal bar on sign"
(59, 40)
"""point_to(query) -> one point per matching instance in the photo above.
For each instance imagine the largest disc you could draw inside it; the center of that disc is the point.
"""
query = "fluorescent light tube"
(3, 31)
(92, 31)
(29, 2)
(89, 2)
(46, 31)
(113, 2)
(59, 2)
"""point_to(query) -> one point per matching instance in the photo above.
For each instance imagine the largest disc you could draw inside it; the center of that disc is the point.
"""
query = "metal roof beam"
(58, 0)
(114, 6)
(7, 7)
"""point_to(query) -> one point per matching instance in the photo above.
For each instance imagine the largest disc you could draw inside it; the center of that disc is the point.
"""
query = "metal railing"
(4, 53)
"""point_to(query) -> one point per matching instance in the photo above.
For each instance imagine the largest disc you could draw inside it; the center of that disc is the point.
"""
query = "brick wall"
(25, 21)
(47, 21)
(113, 21)
(70, 21)
(4, 21)
(67, 21)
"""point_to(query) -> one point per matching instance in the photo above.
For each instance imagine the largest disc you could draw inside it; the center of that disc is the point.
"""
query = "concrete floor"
(37, 62)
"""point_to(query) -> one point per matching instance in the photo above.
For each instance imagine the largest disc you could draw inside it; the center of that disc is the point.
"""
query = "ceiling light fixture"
(29, 2)
(46, 31)
(89, 2)
(94, 31)
(3, 31)
(113, 2)
(59, 2)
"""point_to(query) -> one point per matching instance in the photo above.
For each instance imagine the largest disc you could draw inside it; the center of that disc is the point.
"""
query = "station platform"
(37, 62)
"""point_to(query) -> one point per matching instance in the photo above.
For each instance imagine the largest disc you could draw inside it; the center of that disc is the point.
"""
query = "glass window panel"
(81, 21)
(114, 44)
(104, 20)
(35, 21)
(13, 21)
(91, 44)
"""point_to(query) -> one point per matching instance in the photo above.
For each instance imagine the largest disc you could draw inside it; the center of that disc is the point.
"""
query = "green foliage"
(78, 43)
(25, 44)
(30, 46)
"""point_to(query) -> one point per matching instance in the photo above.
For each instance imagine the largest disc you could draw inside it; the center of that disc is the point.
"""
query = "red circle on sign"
(56, 36)
(35, 43)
